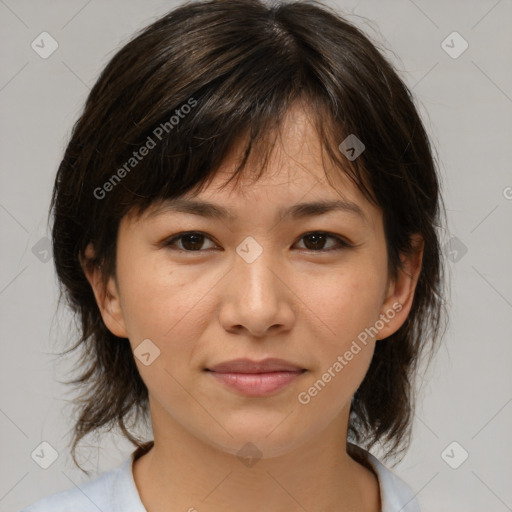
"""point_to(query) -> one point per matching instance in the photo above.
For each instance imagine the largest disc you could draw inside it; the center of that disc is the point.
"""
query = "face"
(307, 286)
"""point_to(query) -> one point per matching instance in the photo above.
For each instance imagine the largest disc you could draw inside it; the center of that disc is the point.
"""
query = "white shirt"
(115, 491)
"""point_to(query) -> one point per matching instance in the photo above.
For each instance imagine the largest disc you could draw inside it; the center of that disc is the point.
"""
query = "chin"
(264, 437)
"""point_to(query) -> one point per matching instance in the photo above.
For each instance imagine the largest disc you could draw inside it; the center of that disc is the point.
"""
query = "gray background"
(466, 104)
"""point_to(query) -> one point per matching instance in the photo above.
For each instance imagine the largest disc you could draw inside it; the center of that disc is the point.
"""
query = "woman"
(245, 224)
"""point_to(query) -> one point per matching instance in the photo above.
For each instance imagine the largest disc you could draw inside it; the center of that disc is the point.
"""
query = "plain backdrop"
(466, 103)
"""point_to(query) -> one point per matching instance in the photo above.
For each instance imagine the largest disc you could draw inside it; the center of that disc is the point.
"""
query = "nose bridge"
(254, 267)
(257, 299)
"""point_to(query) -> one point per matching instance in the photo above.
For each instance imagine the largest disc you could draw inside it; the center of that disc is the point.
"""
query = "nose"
(257, 300)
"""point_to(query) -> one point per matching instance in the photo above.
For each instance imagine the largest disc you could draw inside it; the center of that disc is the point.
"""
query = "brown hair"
(186, 88)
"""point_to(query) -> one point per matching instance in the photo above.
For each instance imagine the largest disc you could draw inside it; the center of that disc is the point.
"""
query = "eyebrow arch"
(296, 211)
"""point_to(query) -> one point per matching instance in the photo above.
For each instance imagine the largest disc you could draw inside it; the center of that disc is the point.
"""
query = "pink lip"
(256, 378)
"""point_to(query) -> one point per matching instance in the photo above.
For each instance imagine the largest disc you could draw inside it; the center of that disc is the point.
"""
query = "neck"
(191, 475)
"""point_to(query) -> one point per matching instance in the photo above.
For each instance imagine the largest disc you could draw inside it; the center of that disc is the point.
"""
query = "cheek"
(343, 354)
(343, 306)
(168, 305)
(166, 309)
(155, 295)
(344, 301)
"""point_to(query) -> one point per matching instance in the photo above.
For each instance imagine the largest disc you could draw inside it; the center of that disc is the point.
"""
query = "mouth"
(256, 378)
(249, 366)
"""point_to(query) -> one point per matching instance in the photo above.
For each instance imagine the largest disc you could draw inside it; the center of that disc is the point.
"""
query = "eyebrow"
(296, 211)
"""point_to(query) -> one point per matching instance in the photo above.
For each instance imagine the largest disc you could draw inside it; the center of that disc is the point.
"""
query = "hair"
(188, 87)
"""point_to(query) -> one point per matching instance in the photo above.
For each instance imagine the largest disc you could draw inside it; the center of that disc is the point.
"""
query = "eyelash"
(342, 244)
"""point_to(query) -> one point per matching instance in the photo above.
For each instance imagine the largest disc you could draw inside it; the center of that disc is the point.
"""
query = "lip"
(256, 378)
(270, 364)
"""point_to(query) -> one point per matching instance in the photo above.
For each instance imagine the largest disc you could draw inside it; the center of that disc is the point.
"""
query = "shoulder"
(112, 491)
(395, 494)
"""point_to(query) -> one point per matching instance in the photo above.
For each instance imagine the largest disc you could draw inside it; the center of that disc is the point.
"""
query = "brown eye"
(316, 242)
(190, 242)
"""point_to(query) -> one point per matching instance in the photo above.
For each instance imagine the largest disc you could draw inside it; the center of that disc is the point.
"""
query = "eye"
(190, 242)
(315, 241)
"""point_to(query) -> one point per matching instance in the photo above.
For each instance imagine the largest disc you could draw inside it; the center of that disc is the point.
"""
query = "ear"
(400, 293)
(107, 297)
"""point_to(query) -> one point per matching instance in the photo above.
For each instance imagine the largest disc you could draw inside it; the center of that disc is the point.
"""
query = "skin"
(304, 306)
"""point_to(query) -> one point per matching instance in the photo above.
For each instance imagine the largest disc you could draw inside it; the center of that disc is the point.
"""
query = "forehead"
(297, 171)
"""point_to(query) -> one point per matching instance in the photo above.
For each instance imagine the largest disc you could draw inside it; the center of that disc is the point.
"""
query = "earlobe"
(107, 295)
(400, 293)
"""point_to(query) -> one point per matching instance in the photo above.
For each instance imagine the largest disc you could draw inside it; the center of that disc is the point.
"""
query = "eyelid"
(176, 237)
(343, 243)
